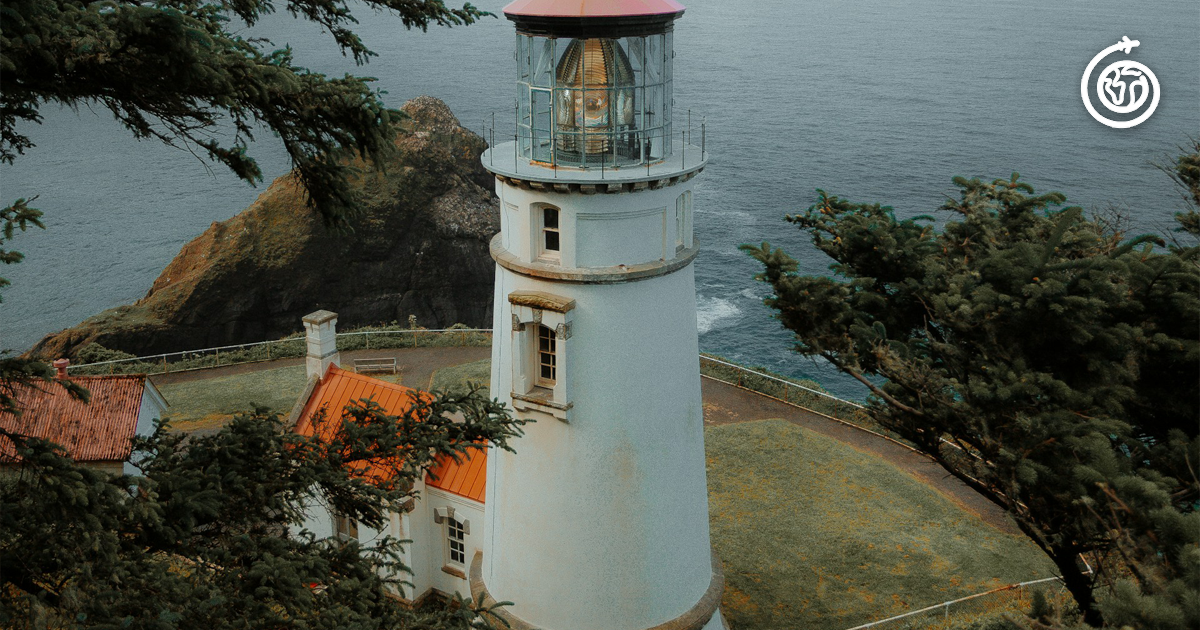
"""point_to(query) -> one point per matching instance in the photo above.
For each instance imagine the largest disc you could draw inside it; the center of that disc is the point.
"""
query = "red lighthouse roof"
(592, 8)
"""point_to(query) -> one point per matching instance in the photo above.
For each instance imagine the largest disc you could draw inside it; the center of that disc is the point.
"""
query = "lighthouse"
(599, 520)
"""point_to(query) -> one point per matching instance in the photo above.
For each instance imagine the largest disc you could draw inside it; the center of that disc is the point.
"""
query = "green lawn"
(457, 377)
(207, 404)
(815, 534)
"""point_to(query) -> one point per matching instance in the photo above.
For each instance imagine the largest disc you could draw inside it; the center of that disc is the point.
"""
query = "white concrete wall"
(429, 547)
(601, 230)
(602, 523)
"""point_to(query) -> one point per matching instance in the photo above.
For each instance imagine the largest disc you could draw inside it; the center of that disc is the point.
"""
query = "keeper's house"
(97, 433)
(445, 519)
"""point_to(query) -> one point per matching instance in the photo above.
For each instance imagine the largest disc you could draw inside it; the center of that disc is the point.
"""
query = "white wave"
(754, 293)
(713, 313)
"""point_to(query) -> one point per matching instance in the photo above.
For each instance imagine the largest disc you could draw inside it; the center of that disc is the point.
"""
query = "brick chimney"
(320, 329)
(60, 367)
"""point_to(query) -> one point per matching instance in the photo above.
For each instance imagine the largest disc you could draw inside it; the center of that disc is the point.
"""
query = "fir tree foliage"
(208, 536)
(1045, 360)
(182, 72)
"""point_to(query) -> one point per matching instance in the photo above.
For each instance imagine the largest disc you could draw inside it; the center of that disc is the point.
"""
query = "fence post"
(218, 351)
(368, 336)
(785, 391)
(463, 337)
(165, 370)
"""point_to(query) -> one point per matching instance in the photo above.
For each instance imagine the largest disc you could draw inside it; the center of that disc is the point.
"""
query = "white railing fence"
(1014, 599)
(290, 347)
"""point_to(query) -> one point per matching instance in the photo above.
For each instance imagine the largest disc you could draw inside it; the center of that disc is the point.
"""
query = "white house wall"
(429, 537)
(153, 407)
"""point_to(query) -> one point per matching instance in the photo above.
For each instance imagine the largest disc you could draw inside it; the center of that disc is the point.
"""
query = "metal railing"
(957, 613)
(525, 151)
(291, 347)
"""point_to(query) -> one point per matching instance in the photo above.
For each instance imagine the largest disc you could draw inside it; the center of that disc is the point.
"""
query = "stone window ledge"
(534, 401)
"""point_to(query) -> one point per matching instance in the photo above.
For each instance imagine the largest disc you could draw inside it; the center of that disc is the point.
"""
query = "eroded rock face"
(421, 248)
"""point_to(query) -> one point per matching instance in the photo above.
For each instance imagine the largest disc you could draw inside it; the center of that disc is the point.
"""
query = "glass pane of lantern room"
(542, 61)
(654, 59)
(543, 123)
(522, 57)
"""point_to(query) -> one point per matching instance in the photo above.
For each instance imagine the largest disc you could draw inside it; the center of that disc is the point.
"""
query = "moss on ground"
(209, 403)
(815, 534)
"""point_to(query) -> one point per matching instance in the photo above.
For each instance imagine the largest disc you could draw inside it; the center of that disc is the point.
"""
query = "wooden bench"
(382, 364)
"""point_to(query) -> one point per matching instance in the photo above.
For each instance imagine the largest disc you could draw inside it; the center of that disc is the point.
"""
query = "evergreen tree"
(1043, 358)
(209, 536)
(180, 71)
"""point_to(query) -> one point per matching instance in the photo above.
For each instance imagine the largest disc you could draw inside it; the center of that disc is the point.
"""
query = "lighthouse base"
(705, 615)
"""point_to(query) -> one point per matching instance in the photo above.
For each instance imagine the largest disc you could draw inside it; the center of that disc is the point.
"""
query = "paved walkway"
(723, 404)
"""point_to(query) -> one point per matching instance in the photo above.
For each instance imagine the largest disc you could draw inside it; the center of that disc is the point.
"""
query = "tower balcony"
(563, 171)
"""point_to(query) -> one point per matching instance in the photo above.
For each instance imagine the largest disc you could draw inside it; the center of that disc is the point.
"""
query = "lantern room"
(594, 81)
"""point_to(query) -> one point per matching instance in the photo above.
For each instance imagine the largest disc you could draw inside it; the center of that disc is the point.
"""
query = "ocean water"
(876, 100)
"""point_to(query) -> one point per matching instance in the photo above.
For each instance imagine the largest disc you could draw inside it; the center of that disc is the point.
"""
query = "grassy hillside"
(815, 534)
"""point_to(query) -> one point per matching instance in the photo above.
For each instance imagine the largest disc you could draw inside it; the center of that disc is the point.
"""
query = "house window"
(456, 541)
(345, 527)
(550, 245)
(547, 359)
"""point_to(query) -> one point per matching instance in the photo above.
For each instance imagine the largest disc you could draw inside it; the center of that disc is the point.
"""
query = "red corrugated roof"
(592, 8)
(339, 387)
(96, 431)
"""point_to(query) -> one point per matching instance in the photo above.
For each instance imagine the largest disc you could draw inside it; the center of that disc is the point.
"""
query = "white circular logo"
(1122, 87)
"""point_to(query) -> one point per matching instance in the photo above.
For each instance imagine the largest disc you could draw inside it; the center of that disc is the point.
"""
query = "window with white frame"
(679, 222)
(547, 359)
(549, 241)
(541, 330)
(456, 542)
(344, 527)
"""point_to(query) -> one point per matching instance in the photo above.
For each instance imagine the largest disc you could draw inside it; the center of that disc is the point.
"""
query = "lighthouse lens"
(594, 102)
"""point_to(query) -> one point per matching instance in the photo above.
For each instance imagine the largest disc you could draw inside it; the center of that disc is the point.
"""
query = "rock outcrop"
(421, 248)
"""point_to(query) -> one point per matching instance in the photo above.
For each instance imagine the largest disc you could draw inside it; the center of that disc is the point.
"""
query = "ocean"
(875, 101)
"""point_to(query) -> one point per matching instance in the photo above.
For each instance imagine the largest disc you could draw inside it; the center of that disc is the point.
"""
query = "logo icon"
(1122, 87)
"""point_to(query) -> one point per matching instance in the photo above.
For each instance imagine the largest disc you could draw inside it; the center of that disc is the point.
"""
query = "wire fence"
(976, 610)
(289, 347)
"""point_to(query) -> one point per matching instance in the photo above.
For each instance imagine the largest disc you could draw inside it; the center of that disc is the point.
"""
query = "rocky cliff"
(421, 248)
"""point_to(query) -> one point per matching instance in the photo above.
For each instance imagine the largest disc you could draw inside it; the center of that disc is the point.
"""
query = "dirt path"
(726, 404)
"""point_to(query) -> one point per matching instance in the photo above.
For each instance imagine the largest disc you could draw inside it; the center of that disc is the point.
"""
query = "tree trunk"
(1079, 583)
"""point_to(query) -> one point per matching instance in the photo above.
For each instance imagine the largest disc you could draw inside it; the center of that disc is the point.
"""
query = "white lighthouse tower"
(599, 521)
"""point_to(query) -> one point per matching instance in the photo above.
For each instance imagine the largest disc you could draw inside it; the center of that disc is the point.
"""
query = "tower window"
(550, 234)
(680, 222)
(547, 361)
(456, 541)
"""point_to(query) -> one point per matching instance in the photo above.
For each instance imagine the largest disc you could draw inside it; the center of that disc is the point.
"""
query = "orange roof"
(98, 430)
(339, 388)
(466, 479)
